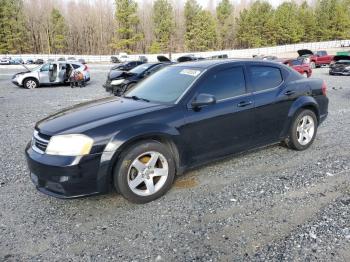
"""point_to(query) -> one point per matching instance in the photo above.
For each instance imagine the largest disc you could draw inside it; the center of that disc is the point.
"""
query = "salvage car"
(49, 74)
(116, 76)
(127, 80)
(317, 59)
(300, 66)
(181, 117)
(5, 60)
(126, 66)
(340, 65)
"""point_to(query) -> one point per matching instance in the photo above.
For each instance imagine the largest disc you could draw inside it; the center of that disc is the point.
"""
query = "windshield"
(165, 86)
(140, 69)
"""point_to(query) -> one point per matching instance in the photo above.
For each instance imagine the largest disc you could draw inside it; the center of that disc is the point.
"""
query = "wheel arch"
(120, 142)
(302, 103)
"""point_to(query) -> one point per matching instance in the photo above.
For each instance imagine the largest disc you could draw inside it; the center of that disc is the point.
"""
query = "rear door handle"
(244, 103)
(289, 93)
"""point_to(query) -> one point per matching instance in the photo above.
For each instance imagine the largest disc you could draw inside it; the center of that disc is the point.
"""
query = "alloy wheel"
(148, 173)
(305, 130)
(31, 84)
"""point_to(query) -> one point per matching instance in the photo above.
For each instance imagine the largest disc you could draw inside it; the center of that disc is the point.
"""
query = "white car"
(52, 73)
(5, 61)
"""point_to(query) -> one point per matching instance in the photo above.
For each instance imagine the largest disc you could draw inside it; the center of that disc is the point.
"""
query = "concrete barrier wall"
(235, 53)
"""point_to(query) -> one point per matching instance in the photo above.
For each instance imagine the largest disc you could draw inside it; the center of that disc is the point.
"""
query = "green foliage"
(335, 22)
(255, 26)
(12, 31)
(307, 20)
(202, 36)
(155, 48)
(225, 23)
(163, 22)
(192, 8)
(288, 27)
(57, 32)
(127, 34)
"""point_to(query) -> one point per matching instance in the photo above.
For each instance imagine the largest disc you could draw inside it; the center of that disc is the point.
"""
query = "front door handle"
(244, 103)
(289, 93)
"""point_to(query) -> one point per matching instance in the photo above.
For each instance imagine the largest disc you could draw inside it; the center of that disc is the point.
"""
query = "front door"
(44, 76)
(226, 126)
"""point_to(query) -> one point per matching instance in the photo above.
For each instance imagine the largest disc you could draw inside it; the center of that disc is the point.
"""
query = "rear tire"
(144, 172)
(303, 130)
(30, 83)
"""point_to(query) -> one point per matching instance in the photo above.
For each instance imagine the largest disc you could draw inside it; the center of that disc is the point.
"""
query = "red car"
(300, 66)
(317, 59)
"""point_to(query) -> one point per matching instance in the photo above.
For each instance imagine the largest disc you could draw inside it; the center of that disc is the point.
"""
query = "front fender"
(123, 138)
(301, 102)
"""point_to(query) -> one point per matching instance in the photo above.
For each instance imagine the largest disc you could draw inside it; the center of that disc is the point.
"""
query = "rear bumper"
(66, 177)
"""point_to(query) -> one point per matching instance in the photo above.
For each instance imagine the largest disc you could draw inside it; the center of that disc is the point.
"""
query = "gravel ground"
(270, 204)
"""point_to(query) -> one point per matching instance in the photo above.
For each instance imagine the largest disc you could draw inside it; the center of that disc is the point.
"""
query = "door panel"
(272, 103)
(226, 126)
(220, 129)
(44, 74)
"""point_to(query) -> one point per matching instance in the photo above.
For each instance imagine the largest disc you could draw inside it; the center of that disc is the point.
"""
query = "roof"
(205, 64)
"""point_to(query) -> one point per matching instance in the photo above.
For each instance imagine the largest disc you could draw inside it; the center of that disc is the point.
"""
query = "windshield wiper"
(137, 98)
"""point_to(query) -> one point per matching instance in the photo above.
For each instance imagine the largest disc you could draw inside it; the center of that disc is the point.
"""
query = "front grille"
(40, 142)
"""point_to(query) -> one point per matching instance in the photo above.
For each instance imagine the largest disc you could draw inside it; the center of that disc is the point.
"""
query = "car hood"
(162, 58)
(305, 52)
(85, 116)
(341, 57)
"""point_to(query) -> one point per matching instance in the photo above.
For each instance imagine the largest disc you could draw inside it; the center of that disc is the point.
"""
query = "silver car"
(52, 73)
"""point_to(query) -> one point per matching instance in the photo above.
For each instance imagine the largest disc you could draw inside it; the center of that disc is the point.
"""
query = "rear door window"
(225, 84)
(265, 77)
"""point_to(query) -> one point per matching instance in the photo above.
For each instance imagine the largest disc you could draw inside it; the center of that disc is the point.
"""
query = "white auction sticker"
(190, 72)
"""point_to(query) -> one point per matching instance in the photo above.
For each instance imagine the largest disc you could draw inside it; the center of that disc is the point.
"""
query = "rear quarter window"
(75, 66)
(265, 77)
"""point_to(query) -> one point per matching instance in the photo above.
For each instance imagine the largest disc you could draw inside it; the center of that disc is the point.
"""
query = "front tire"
(144, 172)
(303, 130)
(30, 83)
(313, 65)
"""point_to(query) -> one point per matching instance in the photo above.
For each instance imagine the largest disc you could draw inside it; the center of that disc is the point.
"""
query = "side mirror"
(203, 100)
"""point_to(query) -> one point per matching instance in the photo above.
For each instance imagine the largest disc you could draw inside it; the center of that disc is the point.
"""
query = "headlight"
(69, 145)
(347, 68)
(117, 82)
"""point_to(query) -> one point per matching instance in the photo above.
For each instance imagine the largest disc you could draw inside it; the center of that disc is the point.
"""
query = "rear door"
(225, 127)
(272, 102)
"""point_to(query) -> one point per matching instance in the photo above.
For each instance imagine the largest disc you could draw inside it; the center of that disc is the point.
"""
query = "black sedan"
(178, 118)
(126, 66)
(119, 82)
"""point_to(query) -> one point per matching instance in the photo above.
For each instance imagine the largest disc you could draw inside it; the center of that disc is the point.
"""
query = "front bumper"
(66, 177)
(15, 82)
(336, 72)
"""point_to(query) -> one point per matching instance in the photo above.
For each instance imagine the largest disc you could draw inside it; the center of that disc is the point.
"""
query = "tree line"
(165, 26)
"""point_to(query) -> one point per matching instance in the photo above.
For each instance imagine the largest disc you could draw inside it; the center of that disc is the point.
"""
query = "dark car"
(340, 65)
(115, 60)
(178, 118)
(118, 71)
(126, 66)
(127, 80)
(61, 59)
(188, 58)
(39, 61)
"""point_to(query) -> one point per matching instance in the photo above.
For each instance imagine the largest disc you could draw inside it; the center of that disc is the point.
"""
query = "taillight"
(324, 88)
(86, 68)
